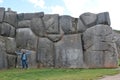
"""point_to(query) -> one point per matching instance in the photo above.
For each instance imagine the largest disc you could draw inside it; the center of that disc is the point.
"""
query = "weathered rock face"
(58, 41)
(26, 39)
(69, 52)
(99, 48)
(3, 62)
(45, 53)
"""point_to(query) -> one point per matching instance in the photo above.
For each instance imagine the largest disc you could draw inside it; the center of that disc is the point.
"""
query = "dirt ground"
(115, 77)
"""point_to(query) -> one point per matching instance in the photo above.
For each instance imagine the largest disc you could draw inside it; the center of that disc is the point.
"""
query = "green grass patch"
(55, 74)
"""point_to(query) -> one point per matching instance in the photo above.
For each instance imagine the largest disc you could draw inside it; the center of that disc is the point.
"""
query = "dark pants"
(24, 64)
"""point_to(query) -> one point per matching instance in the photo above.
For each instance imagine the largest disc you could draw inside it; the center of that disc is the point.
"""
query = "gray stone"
(11, 61)
(98, 44)
(55, 38)
(2, 12)
(3, 62)
(69, 52)
(37, 26)
(7, 30)
(103, 18)
(68, 24)
(51, 23)
(24, 24)
(45, 53)
(10, 45)
(89, 19)
(29, 16)
(25, 38)
(11, 18)
(80, 26)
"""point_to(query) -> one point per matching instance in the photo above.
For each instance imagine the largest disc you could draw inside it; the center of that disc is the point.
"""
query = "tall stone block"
(69, 52)
(11, 18)
(99, 48)
(103, 18)
(3, 62)
(45, 53)
(2, 12)
(68, 24)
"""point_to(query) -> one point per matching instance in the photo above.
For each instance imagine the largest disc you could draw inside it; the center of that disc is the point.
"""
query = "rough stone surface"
(25, 38)
(51, 23)
(29, 16)
(38, 27)
(45, 53)
(69, 52)
(103, 18)
(68, 24)
(24, 24)
(80, 26)
(99, 47)
(2, 12)
(89, 19)
(3, 62)
(11, 18)
(11, 61)
(7, 30)
(10, 45)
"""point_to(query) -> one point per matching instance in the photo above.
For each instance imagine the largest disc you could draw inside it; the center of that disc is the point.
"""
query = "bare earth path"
(115, 77)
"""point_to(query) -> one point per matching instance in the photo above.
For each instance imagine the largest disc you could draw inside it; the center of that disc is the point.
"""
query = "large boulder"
(51, 23)
(7, 30)
(38, 27)
(89, 19)
(68, 24)
(25, 38)
(103, 18)
(80, 26)
(11, 61)
(2, 12)
(29, 16)
(24, 24)
(11, 18)
(3, 62)
(45, 53)
(10, 44)
(69, 52)
(99, 48)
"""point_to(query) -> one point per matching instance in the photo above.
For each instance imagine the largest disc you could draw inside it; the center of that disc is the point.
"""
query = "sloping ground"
(115, 77)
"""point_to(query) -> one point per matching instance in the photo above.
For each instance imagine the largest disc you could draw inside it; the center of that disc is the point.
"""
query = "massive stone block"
(24, 24)
(10, 44)
(2, 12)
(7, 30)
(99, 47)
(11, 61)
(80, 26)
(45, 53)
(11, 18)
(3, 62)
(103, 18)
(69, 52)
(89, 19)
(38, 27)
(25, 38)
(68, 24)
(51, 23)
(29, 16)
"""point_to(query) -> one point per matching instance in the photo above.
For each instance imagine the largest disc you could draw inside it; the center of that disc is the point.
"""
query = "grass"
(55, 74)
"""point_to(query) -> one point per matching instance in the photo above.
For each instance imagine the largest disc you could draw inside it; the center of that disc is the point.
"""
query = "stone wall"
(57, 41)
